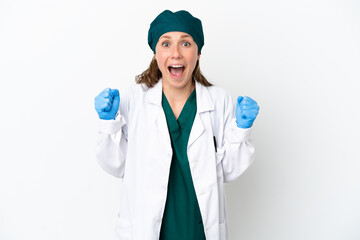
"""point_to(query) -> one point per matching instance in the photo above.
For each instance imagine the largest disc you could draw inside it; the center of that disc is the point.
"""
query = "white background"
(299, 59)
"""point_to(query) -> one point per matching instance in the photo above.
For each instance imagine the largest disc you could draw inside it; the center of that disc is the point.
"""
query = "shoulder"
(220, 96)
(218, 91)
(134, 91)
(130, 96)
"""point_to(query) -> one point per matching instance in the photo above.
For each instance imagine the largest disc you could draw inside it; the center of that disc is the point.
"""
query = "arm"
(238, 151)
(111, 146)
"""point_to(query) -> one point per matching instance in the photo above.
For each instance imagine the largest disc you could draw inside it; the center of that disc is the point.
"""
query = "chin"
(178, 83)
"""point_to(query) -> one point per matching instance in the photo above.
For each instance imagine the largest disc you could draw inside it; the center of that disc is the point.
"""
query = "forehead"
(174, 35)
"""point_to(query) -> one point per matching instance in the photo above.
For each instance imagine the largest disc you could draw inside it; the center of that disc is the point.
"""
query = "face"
(176, 56)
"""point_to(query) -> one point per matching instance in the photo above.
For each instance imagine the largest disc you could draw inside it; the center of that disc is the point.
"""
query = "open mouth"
(176, 71)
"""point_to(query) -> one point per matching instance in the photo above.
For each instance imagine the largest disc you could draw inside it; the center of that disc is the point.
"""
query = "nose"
(176, 52)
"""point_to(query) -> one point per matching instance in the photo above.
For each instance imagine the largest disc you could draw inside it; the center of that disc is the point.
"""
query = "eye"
(165, 44)
(186, 44)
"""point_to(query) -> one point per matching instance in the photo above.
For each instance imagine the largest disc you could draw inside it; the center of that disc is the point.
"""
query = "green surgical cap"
(181, 21)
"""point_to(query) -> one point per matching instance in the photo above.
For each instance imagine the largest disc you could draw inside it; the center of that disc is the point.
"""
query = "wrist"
(243, 125)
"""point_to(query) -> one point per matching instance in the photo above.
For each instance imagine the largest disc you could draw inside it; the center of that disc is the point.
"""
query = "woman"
(173, 140)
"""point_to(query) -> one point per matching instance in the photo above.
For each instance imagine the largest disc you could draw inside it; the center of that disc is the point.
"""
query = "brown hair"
(153, 74)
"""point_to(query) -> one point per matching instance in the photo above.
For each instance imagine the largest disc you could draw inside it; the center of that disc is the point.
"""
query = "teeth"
(176, 66)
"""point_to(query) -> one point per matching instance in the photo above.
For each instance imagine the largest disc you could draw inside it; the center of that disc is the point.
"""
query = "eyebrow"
(182, 36)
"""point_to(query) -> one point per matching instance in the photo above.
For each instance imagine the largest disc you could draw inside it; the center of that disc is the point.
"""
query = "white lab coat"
(136, 147)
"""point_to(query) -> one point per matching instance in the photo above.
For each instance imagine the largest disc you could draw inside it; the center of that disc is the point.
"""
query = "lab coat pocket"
(220, 153)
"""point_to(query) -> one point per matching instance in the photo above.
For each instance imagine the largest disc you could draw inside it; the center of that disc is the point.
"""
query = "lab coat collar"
(154, 94)
(203, 99)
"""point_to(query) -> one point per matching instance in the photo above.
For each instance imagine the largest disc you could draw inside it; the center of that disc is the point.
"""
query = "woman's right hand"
(107, 103)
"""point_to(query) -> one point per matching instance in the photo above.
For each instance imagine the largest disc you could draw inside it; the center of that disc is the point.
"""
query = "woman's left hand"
(246, 111)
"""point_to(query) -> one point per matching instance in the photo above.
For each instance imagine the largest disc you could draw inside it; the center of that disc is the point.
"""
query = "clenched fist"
(246, 112)
(107, 103)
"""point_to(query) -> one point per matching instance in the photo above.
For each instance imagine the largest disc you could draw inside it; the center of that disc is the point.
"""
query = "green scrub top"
(182, 217)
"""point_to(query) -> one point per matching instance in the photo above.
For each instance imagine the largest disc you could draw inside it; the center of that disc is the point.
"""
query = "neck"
(177, 97)
(178, 94)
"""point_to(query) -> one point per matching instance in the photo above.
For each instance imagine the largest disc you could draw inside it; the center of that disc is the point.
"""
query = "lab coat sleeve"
(238, 150)
(111, 145)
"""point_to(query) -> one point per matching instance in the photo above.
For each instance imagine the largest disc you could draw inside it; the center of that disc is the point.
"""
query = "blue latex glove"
(107, 103)
(246, 112)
